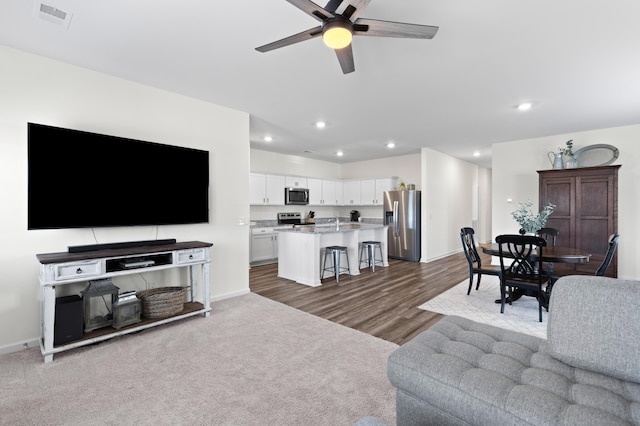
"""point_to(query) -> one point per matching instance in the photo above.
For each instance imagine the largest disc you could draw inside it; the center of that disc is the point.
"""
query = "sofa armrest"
(594, 323)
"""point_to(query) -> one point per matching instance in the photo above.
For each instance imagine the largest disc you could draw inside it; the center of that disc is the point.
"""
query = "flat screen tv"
(79, 179)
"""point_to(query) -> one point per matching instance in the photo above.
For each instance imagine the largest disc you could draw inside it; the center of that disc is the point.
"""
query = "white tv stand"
(65, 268)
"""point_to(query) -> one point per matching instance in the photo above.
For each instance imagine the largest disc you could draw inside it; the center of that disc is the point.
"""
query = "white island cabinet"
(300, 249)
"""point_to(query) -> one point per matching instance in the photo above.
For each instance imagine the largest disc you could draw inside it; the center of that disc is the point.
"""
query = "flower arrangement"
(568, 150)
(530, 222)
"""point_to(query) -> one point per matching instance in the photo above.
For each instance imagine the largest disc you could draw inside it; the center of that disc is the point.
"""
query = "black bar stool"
(336, 252)
(371, 260)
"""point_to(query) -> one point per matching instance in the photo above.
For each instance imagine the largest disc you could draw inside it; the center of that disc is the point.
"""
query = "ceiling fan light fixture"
(337, 34)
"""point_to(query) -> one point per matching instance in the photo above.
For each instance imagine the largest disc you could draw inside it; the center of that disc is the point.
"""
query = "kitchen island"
(300, 249)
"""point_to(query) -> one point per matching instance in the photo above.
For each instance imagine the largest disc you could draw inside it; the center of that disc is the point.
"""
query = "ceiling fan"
(340, 22)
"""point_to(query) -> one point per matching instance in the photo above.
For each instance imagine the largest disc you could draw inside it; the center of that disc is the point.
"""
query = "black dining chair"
(550, 235)
(613, 244)
(521, 267)
(473, 258)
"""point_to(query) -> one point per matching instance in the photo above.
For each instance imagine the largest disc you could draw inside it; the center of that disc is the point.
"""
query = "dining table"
(550, 254)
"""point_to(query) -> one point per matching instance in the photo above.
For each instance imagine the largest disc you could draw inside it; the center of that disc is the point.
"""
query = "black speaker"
(68, 320)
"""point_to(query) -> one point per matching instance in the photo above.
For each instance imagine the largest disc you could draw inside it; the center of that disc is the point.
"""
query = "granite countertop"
(331, 228)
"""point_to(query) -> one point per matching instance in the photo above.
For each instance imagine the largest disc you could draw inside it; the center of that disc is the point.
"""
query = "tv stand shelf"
(66, 268)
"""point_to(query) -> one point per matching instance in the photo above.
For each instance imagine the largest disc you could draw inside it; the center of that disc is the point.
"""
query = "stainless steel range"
(290, 218)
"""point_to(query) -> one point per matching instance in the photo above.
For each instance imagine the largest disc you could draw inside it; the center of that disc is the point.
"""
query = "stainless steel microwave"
(296, 196)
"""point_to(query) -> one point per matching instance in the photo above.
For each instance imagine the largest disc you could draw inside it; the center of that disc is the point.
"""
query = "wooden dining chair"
(550, 235)
(521, 267)
(613, 244)
(473, 258)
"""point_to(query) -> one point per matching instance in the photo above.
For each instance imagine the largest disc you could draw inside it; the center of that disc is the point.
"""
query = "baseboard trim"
(230, 295)
(15, 347)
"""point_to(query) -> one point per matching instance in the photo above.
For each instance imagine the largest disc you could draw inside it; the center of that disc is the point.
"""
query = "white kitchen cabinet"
(368, 192)
(352, 193)
(296, 182)
(382, 186)
(372, 191)
(339, 192)
(266, 189)
(323, 192)
(315, 191)
(264, 245)
(329, 193)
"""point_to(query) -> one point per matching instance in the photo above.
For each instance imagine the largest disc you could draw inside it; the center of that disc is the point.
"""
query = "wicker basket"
(162, 302)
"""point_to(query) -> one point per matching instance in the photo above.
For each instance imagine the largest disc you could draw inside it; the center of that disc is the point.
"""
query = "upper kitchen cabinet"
(352, 193)
(266, 189)
(315, 191)
(372, 190)
(324, 192)
(339, 186)
(586, 212)
(296, 182)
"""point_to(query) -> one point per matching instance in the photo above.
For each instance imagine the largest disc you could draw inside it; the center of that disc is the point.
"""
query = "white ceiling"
(577, 61)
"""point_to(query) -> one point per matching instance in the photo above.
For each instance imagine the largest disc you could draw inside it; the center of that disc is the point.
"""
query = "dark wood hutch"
(586, 212)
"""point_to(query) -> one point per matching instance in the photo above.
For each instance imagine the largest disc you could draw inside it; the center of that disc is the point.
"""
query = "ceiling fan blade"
(332, 5)
(311, 9)
(351, 9)
(296, 38)
(377, 28)
(345, 57)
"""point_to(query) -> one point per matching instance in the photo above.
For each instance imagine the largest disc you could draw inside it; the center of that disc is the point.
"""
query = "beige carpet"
(480, 306)
(253, 362)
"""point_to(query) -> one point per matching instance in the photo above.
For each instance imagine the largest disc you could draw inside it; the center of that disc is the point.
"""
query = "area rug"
(480, 306)
(253, 362)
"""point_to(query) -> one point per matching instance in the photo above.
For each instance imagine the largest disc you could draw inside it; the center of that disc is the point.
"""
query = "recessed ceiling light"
(391, 145)
(339, 153)
(476, 154)
(525, 106)
(268, 138)
(321, 124)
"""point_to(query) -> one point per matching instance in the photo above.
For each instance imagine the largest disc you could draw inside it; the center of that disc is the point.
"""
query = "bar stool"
(336, 252)
(371, 254)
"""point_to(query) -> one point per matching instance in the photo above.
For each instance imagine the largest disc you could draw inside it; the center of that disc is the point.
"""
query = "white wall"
(449, 202)
(40, 90)
(405, 167)
(515, 177)
(483, 231)
(271, 162)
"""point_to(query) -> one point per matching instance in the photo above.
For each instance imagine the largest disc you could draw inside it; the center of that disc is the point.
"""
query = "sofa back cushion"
(594, 323)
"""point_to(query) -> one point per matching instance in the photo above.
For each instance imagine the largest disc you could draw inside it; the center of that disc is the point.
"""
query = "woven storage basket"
(162, 302)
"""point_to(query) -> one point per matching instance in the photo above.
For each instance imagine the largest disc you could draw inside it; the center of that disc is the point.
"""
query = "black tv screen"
(80, 179)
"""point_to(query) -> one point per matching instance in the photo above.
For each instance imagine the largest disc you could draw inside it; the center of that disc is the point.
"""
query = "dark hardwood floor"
(383, 304)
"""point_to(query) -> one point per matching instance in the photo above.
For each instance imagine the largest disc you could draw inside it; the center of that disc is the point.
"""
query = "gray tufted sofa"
(587, 372)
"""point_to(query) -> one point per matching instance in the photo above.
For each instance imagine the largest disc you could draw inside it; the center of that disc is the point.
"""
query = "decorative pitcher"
(556, 159)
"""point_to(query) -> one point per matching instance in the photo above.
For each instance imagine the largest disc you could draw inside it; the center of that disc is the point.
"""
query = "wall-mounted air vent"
(50, 13)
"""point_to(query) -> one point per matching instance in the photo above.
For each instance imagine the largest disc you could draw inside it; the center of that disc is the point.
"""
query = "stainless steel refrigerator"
(402, 214)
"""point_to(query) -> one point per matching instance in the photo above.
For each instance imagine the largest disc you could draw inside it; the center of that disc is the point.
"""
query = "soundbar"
(123, 245)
